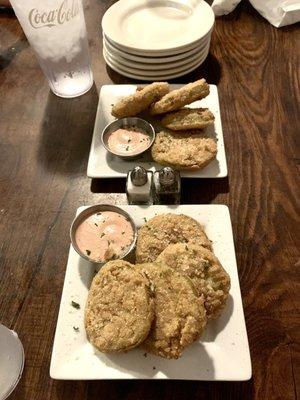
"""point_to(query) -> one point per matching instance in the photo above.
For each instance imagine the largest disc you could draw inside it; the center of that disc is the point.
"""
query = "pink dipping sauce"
(128, 141)
(104, 236)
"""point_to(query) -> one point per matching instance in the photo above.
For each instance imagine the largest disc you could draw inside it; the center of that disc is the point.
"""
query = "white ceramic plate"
(178, 23)
(157, 62)
(221, 354)
(152, 67)
(160, 53)
(103, 165)
(143, 77)
(156, 70)
(153, 59)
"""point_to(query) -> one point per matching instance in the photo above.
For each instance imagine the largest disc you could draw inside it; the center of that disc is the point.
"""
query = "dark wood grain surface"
(44, 145)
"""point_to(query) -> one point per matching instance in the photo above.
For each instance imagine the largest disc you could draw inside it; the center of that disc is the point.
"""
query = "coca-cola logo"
(41, 19)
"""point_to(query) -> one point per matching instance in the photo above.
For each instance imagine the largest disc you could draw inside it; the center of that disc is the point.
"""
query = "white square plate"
(101, 164)
(221, 354)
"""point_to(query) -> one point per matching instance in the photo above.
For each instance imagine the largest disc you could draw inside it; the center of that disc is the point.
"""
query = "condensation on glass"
(56, 31)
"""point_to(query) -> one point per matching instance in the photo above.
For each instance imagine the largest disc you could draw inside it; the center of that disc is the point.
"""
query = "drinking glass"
(11, 361)
(56, 31)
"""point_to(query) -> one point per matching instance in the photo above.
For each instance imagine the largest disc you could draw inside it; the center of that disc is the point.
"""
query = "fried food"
(210, 279)
(119, 309)
(160, 231)
(188, 118)
(132, 105)
(183, 150)
(177, 99)
(179, 313)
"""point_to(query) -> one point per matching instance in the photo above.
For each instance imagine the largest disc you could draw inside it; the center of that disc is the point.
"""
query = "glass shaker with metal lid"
(139, 186)
(167, 184)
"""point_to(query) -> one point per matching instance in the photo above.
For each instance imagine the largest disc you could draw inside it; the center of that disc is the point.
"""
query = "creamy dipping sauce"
(104, 236)
(128, 141)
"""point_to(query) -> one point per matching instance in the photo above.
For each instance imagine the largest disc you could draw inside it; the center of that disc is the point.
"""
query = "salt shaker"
(167, 185)
(139, 186)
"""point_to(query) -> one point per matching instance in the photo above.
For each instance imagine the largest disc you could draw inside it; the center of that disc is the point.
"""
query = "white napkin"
(277, 12)
(224, 7)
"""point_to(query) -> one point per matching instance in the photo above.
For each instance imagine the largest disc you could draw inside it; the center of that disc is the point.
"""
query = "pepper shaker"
(167, 184)
(139, 186)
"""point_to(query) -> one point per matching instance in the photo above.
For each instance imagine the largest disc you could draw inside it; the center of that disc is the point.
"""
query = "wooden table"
(44, 147)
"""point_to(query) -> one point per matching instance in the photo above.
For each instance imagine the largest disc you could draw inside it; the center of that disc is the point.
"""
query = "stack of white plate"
(156, 39)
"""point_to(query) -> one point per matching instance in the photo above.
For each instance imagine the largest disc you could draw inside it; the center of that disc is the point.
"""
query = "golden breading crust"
(183, 150)
(210, 279)
(132, 105)
(181, 97)
(188, 118)
(120, 309)
(179, 313)
(164, 229)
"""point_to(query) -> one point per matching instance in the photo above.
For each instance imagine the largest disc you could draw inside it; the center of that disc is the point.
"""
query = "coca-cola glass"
(11, 361)
(56, 31)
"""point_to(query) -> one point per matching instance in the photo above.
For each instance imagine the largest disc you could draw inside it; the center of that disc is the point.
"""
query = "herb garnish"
(127, 148)
(75, 305)
(123, 233)
(88, 252)
(96, 224)
(102, 234)
(76, 329)
(129, 140)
